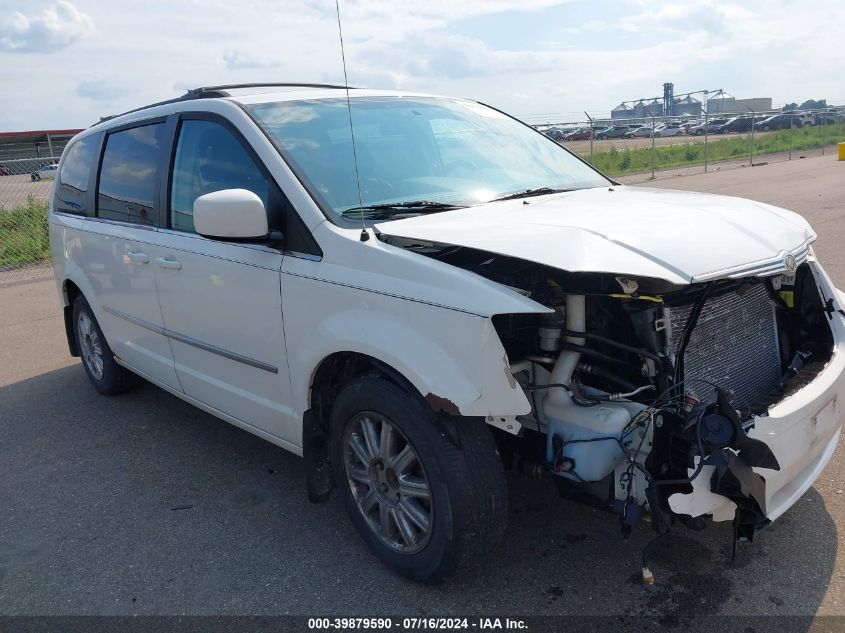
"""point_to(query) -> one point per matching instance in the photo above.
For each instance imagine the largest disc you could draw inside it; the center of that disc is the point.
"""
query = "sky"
(65, 63)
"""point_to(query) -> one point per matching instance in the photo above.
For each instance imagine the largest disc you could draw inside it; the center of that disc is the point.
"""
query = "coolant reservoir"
(594, 460)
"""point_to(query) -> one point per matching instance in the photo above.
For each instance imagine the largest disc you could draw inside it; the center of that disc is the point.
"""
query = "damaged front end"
(720, 399)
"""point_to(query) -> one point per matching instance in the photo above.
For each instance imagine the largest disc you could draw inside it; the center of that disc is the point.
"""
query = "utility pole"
(791, 119)
(753, 121)
(652, 146)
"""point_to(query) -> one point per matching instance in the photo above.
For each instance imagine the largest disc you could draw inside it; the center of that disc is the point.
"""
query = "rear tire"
(35, 177)
(427, 505)
(105, 374)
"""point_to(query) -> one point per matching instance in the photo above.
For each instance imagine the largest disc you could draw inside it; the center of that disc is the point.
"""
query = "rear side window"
(209, 158)
(128, 176)
(72, 189)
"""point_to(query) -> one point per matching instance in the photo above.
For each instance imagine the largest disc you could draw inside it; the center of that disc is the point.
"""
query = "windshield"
(434, 150)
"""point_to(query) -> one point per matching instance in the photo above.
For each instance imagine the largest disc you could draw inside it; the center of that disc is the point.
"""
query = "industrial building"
(684, 105)
(638, 110)
(727, 103)
(687, 105)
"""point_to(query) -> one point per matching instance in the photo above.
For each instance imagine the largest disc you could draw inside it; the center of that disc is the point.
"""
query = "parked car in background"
(806, 118)
(734, 125)
(828, 117)
(48, 172)
(558, 133)
(783, 121)
(644, 131)
(668, 129)
(582, 134)
(615, 131)
(775, 122)
(686, 125)
(706, 127)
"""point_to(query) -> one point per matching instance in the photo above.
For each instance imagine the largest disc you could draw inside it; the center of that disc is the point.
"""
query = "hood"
(682, 237)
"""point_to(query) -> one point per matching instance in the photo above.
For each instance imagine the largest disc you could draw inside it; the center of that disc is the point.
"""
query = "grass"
(629, 161)
(24, 234)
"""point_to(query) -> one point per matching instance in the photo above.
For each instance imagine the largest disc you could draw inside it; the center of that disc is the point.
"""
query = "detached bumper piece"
(734, 478)
(714, 438)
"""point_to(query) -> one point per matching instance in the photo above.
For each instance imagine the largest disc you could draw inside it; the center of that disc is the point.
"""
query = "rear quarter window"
(72, 188)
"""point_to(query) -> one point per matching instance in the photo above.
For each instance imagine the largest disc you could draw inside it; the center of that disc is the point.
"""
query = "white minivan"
(415, 293)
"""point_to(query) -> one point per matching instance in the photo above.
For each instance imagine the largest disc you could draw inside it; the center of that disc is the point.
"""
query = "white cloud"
(687, 16)
(55, 28)
(101, 89)
(605, 52)
(236, 60)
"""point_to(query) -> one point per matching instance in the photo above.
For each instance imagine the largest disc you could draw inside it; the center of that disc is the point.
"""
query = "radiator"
(734, 344)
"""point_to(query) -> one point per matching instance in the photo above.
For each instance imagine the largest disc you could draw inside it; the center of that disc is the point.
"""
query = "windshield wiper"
(527, 193)
(388, 209)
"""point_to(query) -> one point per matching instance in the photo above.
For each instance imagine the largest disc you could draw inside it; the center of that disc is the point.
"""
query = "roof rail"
(103, 119)
(210, 92)
(220, 91)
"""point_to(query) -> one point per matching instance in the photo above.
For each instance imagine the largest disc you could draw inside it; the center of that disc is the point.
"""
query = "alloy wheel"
(388, 482)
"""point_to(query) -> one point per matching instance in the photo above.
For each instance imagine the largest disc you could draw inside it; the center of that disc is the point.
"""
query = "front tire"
(105, 374)
(428, 504)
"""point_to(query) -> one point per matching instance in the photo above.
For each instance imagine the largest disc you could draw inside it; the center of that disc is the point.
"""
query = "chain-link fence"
(27, 168)
(644, 146)
(24, 244)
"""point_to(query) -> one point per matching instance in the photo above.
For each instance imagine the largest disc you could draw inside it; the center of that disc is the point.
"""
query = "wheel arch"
(331, 374)
(73, 284)
(339, 368)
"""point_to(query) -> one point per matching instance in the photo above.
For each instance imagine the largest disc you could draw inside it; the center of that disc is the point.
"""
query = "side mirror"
(230, 214)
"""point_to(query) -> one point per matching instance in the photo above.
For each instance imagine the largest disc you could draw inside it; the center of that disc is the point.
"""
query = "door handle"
(165, 262)
(138, 257)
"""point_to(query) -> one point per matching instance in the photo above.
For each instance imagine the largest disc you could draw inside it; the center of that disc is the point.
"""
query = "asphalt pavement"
(142, 504)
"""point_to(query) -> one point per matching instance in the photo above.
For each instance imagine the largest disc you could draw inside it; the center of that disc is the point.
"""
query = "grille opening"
(734, 344)
(747, 337)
